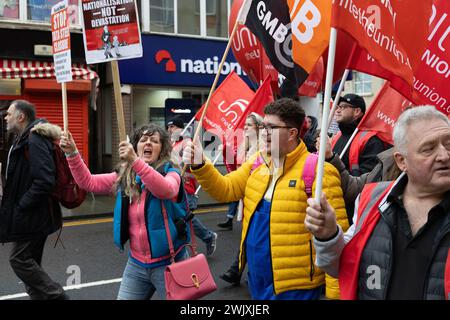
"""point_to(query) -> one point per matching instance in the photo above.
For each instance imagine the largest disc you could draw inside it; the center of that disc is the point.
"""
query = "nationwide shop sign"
(111, 30)
(61, 42)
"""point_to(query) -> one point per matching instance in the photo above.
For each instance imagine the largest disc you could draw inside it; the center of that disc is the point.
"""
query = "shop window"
(363, 83)
(161, 16)
(156, 116)
(40, 10)
(188, 18)
(9, 9)
(216, 18)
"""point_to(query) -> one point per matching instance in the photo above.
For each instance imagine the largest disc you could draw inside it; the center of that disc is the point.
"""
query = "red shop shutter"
(49, 106)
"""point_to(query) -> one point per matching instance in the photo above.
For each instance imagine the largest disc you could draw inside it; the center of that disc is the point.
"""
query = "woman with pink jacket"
(145, 184)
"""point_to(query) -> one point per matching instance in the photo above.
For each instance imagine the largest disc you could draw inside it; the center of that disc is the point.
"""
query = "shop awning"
(13, 69)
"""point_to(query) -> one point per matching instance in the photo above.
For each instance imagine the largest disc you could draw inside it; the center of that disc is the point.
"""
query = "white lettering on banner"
(103, 3)
(434, 61)
(209, 66)
(238, 41)
(370, 58)
(302, 19)
(106, 21)
(368, 23)
(276, 29)
(385, 118)
(431, 95)
(240, 103)
(436, 28)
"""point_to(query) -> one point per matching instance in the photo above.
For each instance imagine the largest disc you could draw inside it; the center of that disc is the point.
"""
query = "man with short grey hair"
(401, 232)
(28, 212)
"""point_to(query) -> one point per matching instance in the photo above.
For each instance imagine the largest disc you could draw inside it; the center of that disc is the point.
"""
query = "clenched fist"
(321, 219)
(126, 152)
(193, 153)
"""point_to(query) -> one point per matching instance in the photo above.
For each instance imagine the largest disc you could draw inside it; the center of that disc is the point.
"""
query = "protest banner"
(111, 32)
(61, 51)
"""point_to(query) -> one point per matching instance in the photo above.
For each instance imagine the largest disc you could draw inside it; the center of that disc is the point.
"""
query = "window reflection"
(40, 10)
(9, 9)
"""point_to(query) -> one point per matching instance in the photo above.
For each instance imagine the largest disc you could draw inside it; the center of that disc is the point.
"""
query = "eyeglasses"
(270, 128)
(344, 106)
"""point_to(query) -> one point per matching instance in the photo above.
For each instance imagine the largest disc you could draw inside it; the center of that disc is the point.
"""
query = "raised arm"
(98, 183)
(161, 187)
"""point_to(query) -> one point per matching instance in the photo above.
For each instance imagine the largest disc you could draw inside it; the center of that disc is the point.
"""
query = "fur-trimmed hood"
(48, 130)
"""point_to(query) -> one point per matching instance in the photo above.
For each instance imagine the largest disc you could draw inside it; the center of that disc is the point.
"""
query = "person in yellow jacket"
(275, 244)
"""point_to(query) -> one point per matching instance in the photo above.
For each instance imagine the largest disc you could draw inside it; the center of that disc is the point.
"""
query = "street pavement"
(90, 259)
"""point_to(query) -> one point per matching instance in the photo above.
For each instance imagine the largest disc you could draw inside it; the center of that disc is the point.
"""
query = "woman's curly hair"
(126, 180)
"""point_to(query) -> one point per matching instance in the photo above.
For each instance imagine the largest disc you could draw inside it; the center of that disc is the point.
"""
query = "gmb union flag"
(294, 33)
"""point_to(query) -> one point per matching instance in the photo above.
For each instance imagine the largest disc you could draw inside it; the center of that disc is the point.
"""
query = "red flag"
(432, 78)
(263, 97)
(384, 112)
(362, 61)
(227, 105)
(313, 83)
(384, 30)
(233, 139)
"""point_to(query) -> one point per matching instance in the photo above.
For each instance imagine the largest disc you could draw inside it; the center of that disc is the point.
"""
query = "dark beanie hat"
(176, 121)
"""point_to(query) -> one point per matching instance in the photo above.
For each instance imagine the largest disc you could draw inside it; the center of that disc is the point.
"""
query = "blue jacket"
(154, 220)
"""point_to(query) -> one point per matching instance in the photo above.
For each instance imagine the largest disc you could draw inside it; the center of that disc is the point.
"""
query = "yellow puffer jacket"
(293, 254)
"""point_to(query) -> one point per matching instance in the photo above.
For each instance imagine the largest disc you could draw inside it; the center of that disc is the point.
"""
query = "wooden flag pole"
(325, 114)
(213, 87)
(118, 100)
(65, 111)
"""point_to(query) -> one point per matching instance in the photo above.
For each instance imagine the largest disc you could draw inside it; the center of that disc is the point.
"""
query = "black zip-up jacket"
(28, 211)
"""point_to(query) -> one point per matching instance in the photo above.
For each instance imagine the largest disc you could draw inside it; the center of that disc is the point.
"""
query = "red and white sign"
(227, 106)
(393, 32)
(111, 30)
(432, 77)
(384, 112)
(61, 42)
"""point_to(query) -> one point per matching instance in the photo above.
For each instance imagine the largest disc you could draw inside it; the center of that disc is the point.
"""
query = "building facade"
(183, 43)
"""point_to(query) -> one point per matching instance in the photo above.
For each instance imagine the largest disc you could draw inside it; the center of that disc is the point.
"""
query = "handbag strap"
(173, 254)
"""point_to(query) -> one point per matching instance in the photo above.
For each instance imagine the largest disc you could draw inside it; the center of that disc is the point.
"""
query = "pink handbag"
(188, 279)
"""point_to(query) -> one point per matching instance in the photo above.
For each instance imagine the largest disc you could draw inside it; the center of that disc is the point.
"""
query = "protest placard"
(111, 30)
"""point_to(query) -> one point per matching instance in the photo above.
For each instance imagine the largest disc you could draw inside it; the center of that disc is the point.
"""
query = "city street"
(90, 253)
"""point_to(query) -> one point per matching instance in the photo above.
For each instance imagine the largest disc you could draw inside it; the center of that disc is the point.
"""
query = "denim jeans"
(232, 209)
(140, 283)
(200, 230)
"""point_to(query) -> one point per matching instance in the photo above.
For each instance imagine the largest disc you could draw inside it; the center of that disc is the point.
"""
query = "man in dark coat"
(361, 157)
(28, 213)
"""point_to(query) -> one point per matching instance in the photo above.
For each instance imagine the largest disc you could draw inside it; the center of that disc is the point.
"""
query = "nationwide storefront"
(174, 76)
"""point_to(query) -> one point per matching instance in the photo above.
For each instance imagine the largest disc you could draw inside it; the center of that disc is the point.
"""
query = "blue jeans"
(232, 209)
(140, 283)
(200, 230)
